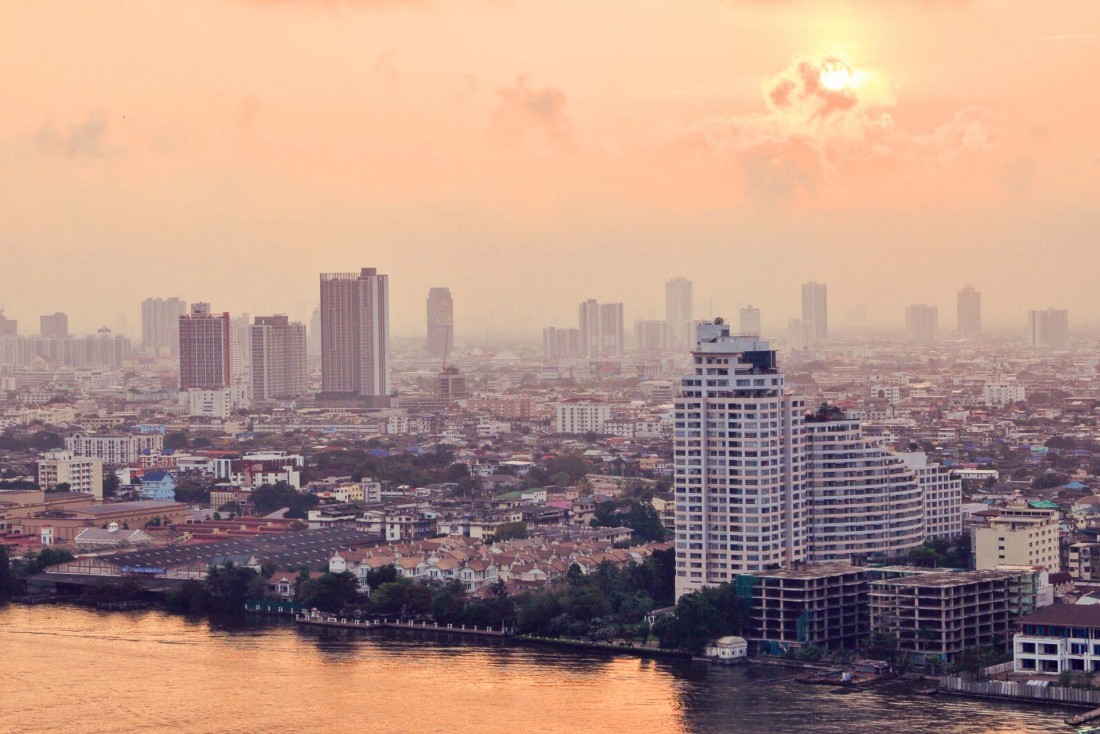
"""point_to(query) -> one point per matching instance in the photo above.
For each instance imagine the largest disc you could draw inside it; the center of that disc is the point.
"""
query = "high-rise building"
(278, 349)
(561, 343)
(864, 502)
(53, 325)
(679, 313)
(739, 463)
(355, 337)
(800, 335)
(969, 311)
(8, 327)
(922, 322)
(240, 351)
(441, 323)
(1048, 330)
(650, 337)
(160, 325)
(815, 308)
(750, 322)
(204, 349)
(601, 327)
(942, 496)
(313, 339)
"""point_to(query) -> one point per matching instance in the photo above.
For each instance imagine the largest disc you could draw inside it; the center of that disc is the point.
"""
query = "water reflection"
(69, 669)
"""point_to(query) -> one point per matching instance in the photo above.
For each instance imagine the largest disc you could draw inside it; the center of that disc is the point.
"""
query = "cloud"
(813, 139)
(533, 112)
(85, 138)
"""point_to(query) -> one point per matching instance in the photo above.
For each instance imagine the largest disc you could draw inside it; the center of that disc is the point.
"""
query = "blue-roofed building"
(157, 484)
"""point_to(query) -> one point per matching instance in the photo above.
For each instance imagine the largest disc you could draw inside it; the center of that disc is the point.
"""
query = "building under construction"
(936, 616)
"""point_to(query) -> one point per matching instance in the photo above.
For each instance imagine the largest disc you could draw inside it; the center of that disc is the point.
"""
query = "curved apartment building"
(864, 502)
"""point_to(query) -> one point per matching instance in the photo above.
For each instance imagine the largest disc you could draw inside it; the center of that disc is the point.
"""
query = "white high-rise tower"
(679, 312)
(739, 460)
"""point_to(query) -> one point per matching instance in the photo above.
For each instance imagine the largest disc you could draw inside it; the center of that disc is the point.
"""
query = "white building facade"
(739, 483)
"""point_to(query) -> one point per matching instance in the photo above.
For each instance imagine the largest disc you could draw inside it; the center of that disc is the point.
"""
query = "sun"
(835, 75)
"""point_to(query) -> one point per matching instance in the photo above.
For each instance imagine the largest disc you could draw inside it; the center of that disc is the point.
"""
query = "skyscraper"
(1048, 330)
(355, 337)
(240, 350)
(313, 339)
(160, 324)
(601, 327)
(55, 324)
(815, 309)
(278, 349)
(740, 494)
(8, 327)
(679, 312)
(650, 337)
(441, 319)
(750, 322)
(969, 312)
(560, 343)
(922, 322)
(204, 349)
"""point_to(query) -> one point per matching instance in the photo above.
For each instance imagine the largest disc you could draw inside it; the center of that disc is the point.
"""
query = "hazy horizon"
(531, 155)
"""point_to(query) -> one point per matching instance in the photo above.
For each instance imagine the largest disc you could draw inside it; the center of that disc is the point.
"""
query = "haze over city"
(532, 155)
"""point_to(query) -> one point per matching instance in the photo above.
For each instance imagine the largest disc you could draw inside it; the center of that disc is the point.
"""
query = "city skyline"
(933, 152)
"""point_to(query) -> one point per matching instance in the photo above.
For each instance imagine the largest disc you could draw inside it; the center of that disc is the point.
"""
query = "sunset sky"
(530, 155)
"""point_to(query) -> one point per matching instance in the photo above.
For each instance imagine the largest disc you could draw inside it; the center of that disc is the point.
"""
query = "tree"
(110, 485)
(61, 487)
(509, 531)
(572, 465)
(331, 592)
(230, 586)
(403, 597)
(271, 497)
(7, 578)
(449, 603)
(882, 646)
(175, 440)
(382, 575)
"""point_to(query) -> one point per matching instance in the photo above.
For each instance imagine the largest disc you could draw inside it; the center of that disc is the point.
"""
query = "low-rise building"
(1019, 536)
(1057, 639)
(81, 473)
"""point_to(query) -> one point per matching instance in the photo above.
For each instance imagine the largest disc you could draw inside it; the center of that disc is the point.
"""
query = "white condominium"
(740, 492)
(679, 312)
(1048, 330)
(355, 336)
(864, 502)
(578, 415)
(942, 496)
(815, 308)
(750, 322)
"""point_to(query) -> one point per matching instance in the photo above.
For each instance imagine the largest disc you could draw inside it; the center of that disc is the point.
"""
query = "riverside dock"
(321, 620)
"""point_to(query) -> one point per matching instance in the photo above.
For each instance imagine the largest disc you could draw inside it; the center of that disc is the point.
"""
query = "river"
(71, 670)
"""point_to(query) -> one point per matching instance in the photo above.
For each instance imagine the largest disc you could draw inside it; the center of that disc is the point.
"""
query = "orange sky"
(532, 154)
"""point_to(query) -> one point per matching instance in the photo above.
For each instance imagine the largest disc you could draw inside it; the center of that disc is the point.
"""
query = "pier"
(320, 620)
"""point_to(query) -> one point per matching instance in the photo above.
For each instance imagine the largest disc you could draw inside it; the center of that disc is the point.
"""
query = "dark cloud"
(86, 138)
(539, 110)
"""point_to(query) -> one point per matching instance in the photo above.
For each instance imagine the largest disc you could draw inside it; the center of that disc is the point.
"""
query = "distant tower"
(679, 312)
(278, 351)
(160, 324)
(355, 336)
(969, 310)
(8, 327)
(204, 349)
(313, 343)
(650, 337)
(1048, 330)
(922, 322)
(815, 309)
(441, 319)
(750, 322)
(601, 328)
(56, 324)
